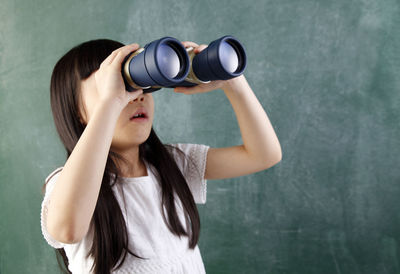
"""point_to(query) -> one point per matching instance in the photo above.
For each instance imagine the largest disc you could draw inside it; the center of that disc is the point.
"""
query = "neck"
(134, 167)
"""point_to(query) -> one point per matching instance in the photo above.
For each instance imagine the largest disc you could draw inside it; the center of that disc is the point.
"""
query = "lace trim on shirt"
(51, 179)
(194, 168)
(196, 173)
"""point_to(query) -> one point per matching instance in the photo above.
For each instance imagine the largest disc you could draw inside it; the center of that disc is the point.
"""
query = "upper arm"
(235, 161)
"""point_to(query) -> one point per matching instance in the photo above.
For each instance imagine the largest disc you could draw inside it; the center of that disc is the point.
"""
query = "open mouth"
(139, 116)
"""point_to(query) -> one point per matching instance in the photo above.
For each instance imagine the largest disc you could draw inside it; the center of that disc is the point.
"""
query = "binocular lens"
(163, 62)
(168, 60)
(229, 57)
(223, 59)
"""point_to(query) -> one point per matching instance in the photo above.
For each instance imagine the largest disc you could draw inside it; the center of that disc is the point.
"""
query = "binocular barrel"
(166, 63)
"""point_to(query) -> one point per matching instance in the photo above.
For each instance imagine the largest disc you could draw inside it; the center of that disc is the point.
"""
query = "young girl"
(124, 202)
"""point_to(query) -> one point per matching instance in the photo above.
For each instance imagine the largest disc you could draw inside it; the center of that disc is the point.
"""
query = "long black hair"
(110, 240)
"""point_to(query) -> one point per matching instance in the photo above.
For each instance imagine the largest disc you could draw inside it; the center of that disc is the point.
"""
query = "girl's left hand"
(201, 88)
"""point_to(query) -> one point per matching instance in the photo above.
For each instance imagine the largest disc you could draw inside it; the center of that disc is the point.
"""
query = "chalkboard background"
(327, 74)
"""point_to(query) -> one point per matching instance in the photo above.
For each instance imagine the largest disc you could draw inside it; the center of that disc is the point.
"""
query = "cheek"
(127, 135)
(152, 104)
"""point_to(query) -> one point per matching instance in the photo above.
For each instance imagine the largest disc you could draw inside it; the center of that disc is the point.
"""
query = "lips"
(140, 112)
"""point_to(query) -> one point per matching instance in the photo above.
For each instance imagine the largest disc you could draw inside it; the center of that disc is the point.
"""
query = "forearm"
(75, 193)
(259, 138)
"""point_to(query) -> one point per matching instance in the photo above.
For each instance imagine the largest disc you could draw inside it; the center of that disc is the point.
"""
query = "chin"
(130, 140)
(137, 139)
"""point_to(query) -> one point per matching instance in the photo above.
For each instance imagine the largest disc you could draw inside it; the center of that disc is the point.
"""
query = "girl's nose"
(140, 98)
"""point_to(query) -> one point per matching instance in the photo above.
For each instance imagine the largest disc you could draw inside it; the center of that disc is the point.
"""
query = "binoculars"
(167, 63)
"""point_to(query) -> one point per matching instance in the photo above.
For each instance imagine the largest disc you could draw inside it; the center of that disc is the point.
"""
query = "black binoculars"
(167, 63)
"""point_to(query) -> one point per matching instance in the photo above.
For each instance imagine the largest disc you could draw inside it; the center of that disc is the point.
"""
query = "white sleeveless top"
(148, 235)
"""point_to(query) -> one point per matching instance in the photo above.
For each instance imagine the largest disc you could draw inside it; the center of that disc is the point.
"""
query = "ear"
(81, 120)
(81, 114)
(81, 111)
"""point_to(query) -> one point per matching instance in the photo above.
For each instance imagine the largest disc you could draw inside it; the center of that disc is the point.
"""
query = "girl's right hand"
(109, 82)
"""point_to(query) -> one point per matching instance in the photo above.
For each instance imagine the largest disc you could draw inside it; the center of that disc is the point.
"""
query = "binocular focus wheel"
(192, 76)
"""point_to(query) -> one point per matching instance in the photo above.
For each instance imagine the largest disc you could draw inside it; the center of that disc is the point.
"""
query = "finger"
(187, 44)
(200, 48)
(109, 58)
(122, 53)
(188, 90)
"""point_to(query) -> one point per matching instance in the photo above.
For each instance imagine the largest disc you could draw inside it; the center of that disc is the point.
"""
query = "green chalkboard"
(326, 72)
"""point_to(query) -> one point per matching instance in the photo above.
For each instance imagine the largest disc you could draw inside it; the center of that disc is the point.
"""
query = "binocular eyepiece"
(167, 63)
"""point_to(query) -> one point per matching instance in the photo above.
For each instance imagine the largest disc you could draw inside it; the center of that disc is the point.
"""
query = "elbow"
(272, 159)
(276, 160)
(65, 234)
(278, 154)
(71, 238)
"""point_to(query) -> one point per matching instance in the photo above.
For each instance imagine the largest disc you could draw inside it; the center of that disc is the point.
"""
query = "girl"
(124, 202)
